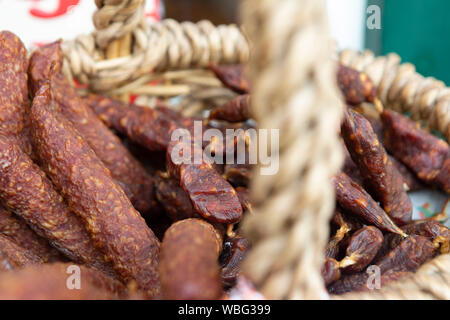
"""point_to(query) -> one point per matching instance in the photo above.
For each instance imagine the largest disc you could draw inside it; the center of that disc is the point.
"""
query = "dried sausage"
(114, 225)
(17, 230)
(174, 199)
(189, 261)
(147, 127)
(344, 227)
(362, 249)
(124, 168)
(433, 230)
(354, 199)
(426, 155)
(381, 178)
(13, 256)
(26, 190)
(235, 110)
(14, 103)
(52, 282)
(330, 271)
(212, 196)
(232, 76)
(356, 86)
(408, 256)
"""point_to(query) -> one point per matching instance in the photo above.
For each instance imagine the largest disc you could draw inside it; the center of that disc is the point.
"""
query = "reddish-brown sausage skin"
(408, 256)
(189, 261)
(17, 230)
(212, 196)
(124, 168)
(381, 178)
(362, 249)
(147, 127)
(232, 76)
(13, 256)
(53, 282)
(115, 226)
(27, 191)
(356, 86)
(173, 198)
(434, 231)
(330, 271)
(14, 103)
(426, 155)
(235, 110)
(354, 199)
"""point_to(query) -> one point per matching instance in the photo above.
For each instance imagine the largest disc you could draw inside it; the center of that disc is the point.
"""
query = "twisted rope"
(116, 18)
(402, 89)
(294, 90)
(431, 281)
(157, 46)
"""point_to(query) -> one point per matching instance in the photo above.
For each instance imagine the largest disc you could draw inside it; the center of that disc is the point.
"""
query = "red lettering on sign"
(63, 7)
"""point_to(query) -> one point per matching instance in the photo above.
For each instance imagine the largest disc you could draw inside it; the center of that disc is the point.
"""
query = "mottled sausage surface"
(12, 256)
(380, 177)
(212, 196)
(27, 191)
(426, 155)
(356, 86)
(124, 168)
(173, 198)
(362, 248)
(14, 103)
(409, 178)
(235, 110)
(189, 261)
(114, 225)
(330, 271)
(53, 282)
(232, 76)
(434, 231)
(17, 230)
(408, 256)
(354, 199)
(350, 168)
(147, 127)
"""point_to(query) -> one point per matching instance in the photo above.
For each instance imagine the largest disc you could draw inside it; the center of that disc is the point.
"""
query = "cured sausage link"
(26, 190)
(380, 177)
(114, 225)
(45, 63)
(189, 261)
(426, 155)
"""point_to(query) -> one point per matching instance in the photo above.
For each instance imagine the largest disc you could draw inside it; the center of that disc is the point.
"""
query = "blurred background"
(416, 29)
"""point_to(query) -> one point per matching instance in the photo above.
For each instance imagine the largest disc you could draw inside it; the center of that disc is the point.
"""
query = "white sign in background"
(42, 21)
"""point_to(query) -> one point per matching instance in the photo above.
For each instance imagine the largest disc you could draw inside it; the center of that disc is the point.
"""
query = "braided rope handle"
(293, 90)
(402, 89)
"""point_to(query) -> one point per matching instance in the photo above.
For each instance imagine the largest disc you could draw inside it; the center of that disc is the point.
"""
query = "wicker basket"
(293, 88)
